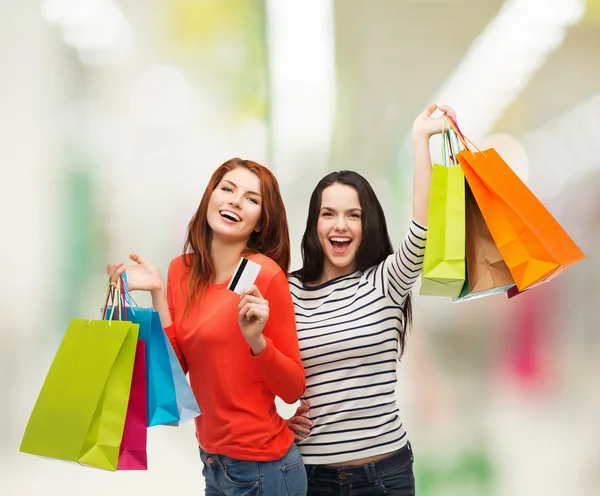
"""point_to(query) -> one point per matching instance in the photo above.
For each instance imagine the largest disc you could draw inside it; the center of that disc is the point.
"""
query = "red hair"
(273, 240)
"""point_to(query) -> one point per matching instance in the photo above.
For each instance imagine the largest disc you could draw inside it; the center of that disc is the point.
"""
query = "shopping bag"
(444, 260)
(160, 388)
(132, 452)
(187, 406)
(533, 244)
(186, 401)
(466, 294)
(79, 415)
(487, 273)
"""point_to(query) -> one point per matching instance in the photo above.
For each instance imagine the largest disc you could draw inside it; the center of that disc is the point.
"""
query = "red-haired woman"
(240, 352)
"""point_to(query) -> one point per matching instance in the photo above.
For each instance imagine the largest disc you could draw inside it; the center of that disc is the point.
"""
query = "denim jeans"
(224, 476)
(391, 475)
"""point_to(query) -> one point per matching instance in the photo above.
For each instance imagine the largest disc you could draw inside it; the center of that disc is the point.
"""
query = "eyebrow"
(357, 209)
(235, 186)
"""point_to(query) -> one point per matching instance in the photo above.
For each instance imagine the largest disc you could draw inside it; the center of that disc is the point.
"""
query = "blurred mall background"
(114, 114)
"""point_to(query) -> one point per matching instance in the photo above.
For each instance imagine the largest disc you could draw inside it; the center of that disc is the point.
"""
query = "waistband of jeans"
(363, 473)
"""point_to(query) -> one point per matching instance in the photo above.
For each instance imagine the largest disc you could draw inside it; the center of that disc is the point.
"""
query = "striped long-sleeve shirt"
(348, 335)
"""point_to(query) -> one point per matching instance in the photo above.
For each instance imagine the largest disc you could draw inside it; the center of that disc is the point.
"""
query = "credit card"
(244, 275)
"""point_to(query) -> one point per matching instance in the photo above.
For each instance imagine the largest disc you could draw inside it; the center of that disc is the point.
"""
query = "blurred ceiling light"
(302, 85)
(503, 59)
(97, 29)
(565, 149)
(162, 97)
(500, 63)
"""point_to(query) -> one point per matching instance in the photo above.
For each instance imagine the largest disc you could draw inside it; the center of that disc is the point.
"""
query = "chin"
(342, 264)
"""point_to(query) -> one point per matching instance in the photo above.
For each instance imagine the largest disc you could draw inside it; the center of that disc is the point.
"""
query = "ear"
(258, 228)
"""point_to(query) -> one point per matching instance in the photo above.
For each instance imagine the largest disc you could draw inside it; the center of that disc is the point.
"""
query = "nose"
(340, 224)
(235, 201)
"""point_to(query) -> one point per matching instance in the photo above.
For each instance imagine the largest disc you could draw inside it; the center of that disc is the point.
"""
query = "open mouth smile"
(340, 244)
(233, 217)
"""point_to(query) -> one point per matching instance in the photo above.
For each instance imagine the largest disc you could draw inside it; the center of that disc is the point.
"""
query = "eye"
(253, 200)
(326, 214)
(355, 216)
(227, 188)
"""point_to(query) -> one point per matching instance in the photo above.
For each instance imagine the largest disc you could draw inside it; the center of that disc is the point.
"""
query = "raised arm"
(424, 128)
(398, 273)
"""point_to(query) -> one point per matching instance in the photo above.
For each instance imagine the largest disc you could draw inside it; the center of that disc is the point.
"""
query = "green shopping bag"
(80, 412)
(444, 262)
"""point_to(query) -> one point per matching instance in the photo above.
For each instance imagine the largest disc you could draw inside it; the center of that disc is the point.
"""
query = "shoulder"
(178, 265)
(268, 266)
(295, 284)
(270, 272)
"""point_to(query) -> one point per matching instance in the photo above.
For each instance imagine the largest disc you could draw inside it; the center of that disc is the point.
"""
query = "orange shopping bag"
(533, 244)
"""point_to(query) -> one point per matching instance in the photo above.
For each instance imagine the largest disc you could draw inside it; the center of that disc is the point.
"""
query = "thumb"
(430, 109)
(136, 258)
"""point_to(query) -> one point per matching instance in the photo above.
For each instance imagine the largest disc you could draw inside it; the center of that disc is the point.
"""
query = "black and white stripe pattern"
(348, 335)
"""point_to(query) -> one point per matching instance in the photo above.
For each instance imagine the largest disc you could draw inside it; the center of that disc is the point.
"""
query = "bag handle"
(453, 144)
(114, 302)
(463, 139)
(122, 305)
(108, 296)
(448, 146)
(444, 161)
(127, 298)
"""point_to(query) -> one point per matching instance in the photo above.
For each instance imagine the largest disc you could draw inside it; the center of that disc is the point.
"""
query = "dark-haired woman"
(241, 352)
(353, 309)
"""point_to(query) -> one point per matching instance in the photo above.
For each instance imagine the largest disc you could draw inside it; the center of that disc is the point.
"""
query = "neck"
(331, 272)
(225, 256)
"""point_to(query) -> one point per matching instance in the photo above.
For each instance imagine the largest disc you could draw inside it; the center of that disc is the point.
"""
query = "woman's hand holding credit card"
(253, 309)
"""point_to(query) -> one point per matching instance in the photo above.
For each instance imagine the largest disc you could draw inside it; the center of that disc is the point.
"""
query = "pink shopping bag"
(132, 453)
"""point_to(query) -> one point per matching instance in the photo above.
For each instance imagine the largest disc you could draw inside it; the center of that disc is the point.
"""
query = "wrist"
(159, 290)
(159, 297)
(420, 135)
(257, 345)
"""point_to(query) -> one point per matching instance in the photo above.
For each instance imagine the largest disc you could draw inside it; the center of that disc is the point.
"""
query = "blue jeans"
(391, 475)
(224, 476)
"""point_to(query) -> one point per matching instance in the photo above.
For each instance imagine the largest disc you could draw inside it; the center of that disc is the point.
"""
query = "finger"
(298, 428)
(253, 306)
(299, 432)
(259, 314)
(136, 258)
(299, 437)
(430, 109)
(447, 110)
(302, 422)
(119, 269)
(111, 268)
(302, 410)
(252, 290)
(117, 275)
(252, 299)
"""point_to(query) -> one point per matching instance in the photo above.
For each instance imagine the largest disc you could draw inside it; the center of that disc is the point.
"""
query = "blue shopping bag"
(186, 401)
(162, 397)
(187, 406)
(160, 387)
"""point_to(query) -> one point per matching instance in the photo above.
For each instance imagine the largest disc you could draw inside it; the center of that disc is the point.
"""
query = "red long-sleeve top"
(234, 389)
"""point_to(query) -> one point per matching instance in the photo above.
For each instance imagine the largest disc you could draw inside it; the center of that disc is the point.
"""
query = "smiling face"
(339, 229)
(234, 208)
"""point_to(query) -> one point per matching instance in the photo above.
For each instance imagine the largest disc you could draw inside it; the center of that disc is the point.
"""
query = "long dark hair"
(374, 229)
(273, 240)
